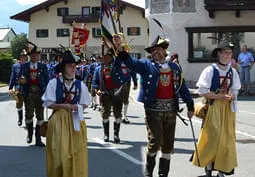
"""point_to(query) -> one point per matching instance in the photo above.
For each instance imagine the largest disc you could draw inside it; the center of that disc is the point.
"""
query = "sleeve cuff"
(190, 106)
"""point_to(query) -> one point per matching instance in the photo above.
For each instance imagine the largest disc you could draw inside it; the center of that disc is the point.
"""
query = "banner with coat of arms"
(80, 36)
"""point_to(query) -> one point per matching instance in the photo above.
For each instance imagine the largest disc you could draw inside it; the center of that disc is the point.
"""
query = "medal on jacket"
(22, 79)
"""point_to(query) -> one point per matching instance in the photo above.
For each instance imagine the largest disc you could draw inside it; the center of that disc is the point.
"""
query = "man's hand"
(10, 91)
(190, 114)
(99, 92)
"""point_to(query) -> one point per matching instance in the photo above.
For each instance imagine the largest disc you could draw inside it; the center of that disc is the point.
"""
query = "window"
(62, 11)
(96, 32)
(122, 8)
(136, 55)
(85, 11)
(96, 11)
(41, 33)
(63, 32)
(133, 31)
(203, 40)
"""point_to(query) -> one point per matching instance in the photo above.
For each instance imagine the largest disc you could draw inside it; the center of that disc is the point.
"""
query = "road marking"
(237, 131)
(247, 112)
(119, 152)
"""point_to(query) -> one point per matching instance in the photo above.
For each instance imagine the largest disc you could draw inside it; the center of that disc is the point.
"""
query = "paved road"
(125, 159)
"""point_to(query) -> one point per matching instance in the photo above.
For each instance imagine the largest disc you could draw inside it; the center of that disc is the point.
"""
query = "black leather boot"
(149, 166)
(164, 166)
(106, 131)
(38, 141)
(29, 132)
(116, 132)
(208, 173)
(20, 117)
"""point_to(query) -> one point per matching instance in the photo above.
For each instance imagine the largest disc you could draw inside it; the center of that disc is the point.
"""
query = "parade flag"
(80, 36)
(109, 22)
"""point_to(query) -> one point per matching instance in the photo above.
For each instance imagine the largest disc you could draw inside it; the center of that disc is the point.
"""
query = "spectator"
(246, 61)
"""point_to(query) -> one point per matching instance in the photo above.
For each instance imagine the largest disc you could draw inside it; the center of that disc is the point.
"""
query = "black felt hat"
(158, 42)
(22, 53)
(67, 58)
(222, 45)
(34, 49)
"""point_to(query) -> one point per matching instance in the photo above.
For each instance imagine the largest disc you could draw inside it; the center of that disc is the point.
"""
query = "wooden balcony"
(92, 18)
(228, 5)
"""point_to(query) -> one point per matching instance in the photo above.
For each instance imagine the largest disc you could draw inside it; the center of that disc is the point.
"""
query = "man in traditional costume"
(91, 69)
(37, 78)
(219, 83)
(16, 82)
(162, 82)
(111, 79)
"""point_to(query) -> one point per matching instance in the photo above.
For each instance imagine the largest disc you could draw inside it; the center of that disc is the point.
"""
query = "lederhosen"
(112, 96)
(33, 100)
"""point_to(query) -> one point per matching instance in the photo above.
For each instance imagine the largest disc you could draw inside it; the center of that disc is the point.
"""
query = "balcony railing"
(92, 18)
(228, 5)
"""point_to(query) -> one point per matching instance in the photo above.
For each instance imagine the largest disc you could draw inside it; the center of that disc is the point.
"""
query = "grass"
(2, 84)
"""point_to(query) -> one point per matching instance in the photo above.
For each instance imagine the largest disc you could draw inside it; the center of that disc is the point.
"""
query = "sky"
(12, 7)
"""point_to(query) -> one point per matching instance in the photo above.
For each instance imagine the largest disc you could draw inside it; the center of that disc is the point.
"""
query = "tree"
(18, 44)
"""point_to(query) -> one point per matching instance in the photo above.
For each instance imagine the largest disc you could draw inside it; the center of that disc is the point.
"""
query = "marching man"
(37, 78)
(162, 82)
(16, 81)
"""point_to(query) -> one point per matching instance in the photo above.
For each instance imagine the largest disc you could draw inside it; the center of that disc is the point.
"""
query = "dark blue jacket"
(90, 71)
(42, 74)
(117, 76)
(150, 72)
(15, 76)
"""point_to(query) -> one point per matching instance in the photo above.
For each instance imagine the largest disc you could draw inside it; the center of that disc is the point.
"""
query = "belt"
(245, 66)
(162, 105)
(34, 89)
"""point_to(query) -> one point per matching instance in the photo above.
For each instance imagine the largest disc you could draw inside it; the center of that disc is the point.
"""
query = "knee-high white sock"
(125, 110)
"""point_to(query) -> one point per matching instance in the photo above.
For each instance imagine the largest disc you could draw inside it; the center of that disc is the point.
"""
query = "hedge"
(6, 62)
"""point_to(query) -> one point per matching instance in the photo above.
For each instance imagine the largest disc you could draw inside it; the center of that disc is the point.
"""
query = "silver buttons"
(150, 76)
(148, 82)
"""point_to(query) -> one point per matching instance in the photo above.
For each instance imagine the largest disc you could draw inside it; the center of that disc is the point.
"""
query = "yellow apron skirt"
(66, 149)
(217, 139)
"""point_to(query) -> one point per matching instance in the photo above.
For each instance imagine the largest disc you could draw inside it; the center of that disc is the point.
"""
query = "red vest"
(124, 69)
(34, 79)
(108, 79)
(165, 88)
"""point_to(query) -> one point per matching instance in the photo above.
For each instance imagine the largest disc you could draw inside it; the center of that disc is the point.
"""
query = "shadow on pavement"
(4, 96)
(184, 139)
(94, 127)
(22, 161)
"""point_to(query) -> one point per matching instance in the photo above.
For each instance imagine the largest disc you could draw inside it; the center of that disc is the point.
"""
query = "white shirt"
(49, 96)
(33, 65)
(205, 80)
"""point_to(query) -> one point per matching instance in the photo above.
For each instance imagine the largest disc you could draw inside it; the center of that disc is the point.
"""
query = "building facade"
(51, 24)
(6, 36)
(195, 28)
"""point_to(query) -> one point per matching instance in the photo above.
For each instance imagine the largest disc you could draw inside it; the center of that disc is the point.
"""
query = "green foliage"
(6, 62)
(18, 44)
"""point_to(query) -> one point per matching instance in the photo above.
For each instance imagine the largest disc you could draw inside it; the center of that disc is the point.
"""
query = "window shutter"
(128, 31)
(138, 31)
(94, 32)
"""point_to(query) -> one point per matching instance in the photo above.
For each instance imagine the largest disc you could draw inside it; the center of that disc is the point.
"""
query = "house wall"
(49, 20)
(176, 22)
